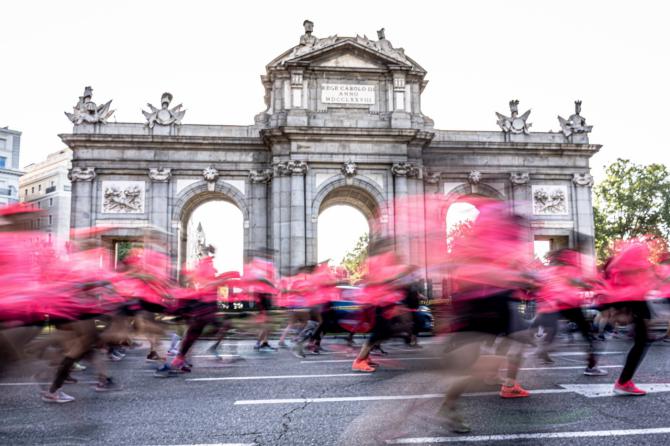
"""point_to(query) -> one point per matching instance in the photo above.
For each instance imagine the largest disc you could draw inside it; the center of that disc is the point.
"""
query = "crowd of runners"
(76, 307)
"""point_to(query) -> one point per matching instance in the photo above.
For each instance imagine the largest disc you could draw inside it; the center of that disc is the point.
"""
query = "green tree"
(632, 202)
(354, 260)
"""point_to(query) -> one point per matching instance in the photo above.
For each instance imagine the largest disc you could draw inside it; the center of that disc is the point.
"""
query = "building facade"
(343, 125)
(10, 150)
(47, 187)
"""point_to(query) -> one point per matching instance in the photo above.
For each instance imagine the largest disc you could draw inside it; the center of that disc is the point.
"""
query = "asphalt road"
(277, 399)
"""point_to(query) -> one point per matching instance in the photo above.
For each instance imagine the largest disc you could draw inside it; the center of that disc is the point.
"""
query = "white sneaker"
(594, 371)
(57, 397)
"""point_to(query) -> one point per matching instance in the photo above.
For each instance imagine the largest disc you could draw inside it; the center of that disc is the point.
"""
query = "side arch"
(193, 196)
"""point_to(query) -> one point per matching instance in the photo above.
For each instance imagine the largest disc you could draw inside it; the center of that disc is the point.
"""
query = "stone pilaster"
(160, 179)
(298, 225)
(520, 192)
(258, 212)
(82, 212)
(584, 226)
(401, 172)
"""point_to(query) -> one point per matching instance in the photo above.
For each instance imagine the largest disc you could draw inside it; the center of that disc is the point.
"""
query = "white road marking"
(583, 353)
(249, 378)
(343, 399)
(601, 390)
(210, 444)
(587, 390)
(569, 367)
(42, 384)
(533, 436)
(215, 356)
(381, 359)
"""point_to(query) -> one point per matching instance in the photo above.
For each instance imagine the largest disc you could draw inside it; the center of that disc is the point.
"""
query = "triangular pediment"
(346, 52)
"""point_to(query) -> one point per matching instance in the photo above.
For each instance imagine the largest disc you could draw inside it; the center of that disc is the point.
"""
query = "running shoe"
(107, 385)
(78, 367)
(628, 388)
(373, 364)
(282, 344)
(594, 371)
(298, 351)
(362, 366)
(545, 358)
(57, 397)
(115, 356)
(515, 391)
(264, 347)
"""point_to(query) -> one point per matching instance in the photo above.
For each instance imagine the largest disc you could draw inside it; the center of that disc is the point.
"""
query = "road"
(277, 399)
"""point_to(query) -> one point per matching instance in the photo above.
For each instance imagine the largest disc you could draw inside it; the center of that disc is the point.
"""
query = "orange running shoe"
(362, 366)
(515, 391)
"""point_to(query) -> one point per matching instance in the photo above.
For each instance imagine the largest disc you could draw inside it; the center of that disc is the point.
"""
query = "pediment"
(346, 52)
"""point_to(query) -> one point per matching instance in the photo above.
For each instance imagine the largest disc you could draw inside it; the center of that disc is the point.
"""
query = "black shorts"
(489, 314)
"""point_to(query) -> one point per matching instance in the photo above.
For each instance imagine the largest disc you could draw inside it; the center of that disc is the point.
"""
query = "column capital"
(291, 167)
(81, 174)
(160, 174)
(583, 179)
(432, 177)
(519, 178)
(406, 170)
(260, 176)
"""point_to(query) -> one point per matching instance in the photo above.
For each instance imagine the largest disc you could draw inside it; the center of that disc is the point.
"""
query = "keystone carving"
(349, 169)
(432, 177)
(474, 177)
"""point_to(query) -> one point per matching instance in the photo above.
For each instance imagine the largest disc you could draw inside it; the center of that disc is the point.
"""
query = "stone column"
(520, 192)
(160, 179)
(584, 226)
(281, 214)
(298, 224)
(400, 173)
(81, 210)
(258, 216)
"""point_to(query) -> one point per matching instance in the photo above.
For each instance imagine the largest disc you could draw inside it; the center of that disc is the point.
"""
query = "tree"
(632, 202)
(354, 260)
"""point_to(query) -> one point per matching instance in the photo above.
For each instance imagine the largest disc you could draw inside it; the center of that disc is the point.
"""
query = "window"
(32, 190)
(26, 191)
(3, 160)
(39, 205)
(3, 144)
(51, 202)
(51, 219)
(39, 187)
(53, 183)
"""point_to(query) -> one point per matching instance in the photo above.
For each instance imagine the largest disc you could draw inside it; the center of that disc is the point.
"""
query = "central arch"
(357, 193)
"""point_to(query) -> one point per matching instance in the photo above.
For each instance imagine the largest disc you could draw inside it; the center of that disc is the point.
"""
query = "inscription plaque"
(350, 94)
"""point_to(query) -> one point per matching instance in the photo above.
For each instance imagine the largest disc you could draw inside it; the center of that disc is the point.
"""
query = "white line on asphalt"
(584, 353)
(215, 356)
(342, 399)
(569, 367)
(381, 359)
(210, 444)
(41, 384)
(533, 436)
(247, 378)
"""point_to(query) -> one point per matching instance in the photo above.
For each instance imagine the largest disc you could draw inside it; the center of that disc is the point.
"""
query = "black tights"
(640, 312)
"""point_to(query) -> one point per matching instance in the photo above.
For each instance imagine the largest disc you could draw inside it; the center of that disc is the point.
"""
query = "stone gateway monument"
(343, 125)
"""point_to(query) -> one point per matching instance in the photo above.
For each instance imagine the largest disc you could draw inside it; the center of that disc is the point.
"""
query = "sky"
(613, 55)
(479, 54)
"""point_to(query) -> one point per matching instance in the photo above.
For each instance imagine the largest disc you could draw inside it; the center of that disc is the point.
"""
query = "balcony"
(8, 191)
(50, 189)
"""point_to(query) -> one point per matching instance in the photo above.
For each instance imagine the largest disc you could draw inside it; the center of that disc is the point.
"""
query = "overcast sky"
(478, 54)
